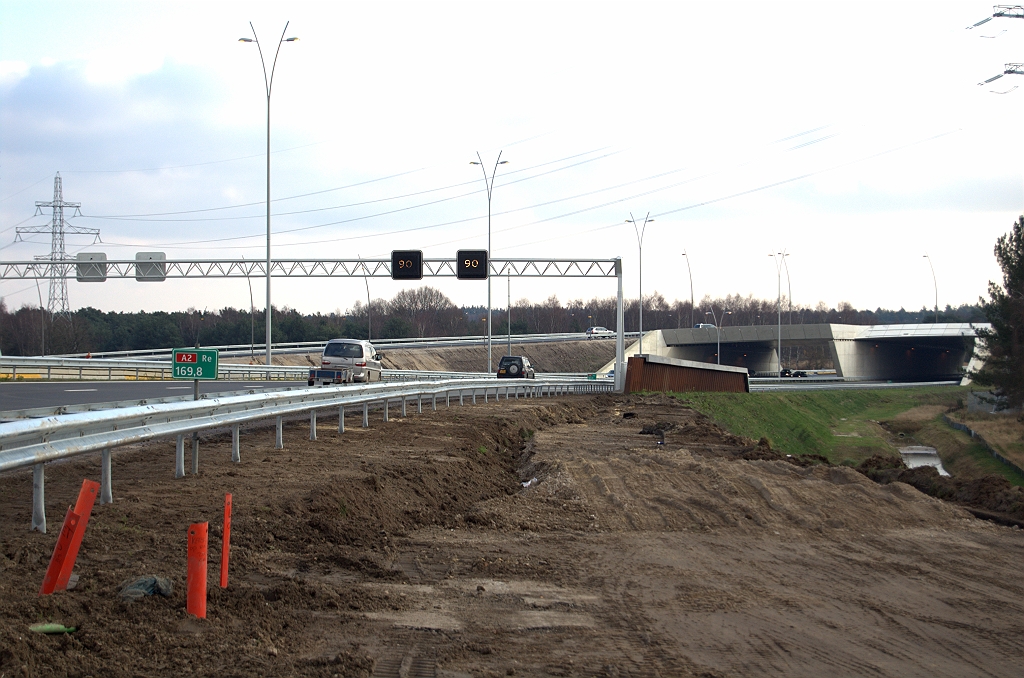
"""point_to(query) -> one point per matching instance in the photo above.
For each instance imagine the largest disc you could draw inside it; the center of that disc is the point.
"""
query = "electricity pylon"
(58, 301)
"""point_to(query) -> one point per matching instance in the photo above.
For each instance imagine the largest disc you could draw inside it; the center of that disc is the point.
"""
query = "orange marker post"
(83, 507)
(197, 542)
(226, 542)
(60, 552)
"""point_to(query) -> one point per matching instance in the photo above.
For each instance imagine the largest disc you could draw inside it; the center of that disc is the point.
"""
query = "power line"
(380, 200)
(327, 190)
(195, 164)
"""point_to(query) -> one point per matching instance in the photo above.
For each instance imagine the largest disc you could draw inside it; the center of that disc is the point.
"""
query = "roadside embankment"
(555, 356)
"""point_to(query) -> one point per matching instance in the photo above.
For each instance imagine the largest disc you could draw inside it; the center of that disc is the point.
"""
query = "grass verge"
(841, 424)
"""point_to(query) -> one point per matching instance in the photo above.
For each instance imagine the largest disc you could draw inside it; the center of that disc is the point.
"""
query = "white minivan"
(357, 355)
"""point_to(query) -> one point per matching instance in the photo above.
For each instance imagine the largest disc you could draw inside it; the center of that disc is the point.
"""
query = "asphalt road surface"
(27, 395)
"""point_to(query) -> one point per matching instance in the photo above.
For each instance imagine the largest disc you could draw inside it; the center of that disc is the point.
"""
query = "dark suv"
(515, 367)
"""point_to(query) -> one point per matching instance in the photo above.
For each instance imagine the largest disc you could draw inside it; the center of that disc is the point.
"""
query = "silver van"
(356, 354)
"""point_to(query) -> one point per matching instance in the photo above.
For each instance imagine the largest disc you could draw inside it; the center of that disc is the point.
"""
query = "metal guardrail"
(35, 442)
(137, 369)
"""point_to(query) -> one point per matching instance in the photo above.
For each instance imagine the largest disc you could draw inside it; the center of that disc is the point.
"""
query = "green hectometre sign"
(195, 363)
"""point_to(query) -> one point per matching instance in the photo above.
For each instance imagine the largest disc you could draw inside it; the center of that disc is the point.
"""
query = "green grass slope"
(839, 424)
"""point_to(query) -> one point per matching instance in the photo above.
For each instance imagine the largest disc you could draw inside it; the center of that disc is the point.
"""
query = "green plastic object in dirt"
(51, 627)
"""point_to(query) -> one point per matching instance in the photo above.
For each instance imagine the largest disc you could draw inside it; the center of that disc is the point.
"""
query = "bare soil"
(538, 538)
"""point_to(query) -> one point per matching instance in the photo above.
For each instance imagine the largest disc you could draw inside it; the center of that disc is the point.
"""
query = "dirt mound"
(534, 537)
(989, 493)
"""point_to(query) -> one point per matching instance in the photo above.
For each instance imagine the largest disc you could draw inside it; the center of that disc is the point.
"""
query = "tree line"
(420, 312)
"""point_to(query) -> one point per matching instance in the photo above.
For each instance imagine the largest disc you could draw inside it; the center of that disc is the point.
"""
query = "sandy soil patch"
(412, 548)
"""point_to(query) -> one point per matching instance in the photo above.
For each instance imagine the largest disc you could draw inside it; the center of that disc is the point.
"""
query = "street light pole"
(718, 331)
(789, 284)
(640, 245)
(780, 258)
(269, 84)
(508, 279)
(490, 190)
(935, 282)
(687, 257)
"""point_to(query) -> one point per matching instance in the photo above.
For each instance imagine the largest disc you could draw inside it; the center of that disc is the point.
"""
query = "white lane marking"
(79, 390)
(178, 388)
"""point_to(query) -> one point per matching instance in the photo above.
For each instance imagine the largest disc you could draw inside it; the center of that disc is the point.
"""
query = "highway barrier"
(36, 442)
(36, 367)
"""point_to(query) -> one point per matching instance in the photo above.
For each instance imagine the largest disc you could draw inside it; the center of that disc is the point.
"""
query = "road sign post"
(195, 363)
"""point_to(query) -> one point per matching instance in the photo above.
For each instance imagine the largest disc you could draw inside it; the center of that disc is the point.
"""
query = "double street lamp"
(935, 282)
(268, 82)
(640, 228)
(490, 189)
(718, 332)
(780, 262)
(687, 257)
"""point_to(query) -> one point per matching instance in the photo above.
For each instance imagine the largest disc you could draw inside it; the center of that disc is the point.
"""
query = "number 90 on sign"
(471, 265)
(406, 265)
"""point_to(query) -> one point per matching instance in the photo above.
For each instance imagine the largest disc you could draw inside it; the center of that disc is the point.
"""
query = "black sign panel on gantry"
(471, 265)
(406, 265)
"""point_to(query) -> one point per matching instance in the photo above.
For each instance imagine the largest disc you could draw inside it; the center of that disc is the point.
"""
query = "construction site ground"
(541, 537)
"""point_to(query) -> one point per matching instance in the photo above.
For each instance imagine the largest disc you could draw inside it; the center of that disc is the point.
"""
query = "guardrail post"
(38, 506)
(179, 457)
(403, 406)
(236, 455)
(106, 493)
(366, 414)
(48, 371)
(341, 419)
(312, 424)
(447, 398)
(386, 409)
(485, 395)
(515, 389)
(279, 443)
(474, 395)
(195, 453)
(462, 402)
(419, 404)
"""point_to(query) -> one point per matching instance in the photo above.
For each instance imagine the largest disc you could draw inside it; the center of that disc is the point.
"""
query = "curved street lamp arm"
(483, 169)
(274, 66)
(266, 81)
(495, 170)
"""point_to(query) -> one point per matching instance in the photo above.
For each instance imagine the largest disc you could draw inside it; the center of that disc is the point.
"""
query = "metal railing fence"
(94, 368)
(36, 442)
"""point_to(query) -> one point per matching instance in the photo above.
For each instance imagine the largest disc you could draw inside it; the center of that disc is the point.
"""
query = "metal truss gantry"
(144, 270)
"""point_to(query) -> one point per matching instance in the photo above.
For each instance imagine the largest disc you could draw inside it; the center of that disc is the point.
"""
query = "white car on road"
(599, 333)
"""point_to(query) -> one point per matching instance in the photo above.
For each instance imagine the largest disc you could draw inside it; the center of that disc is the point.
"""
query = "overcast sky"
(853, 135)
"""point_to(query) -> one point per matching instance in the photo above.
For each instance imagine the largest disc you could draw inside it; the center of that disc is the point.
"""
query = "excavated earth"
(530, 538)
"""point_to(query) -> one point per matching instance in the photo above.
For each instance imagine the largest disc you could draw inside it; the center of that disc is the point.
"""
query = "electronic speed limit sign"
(471, 265)
(406, 265)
